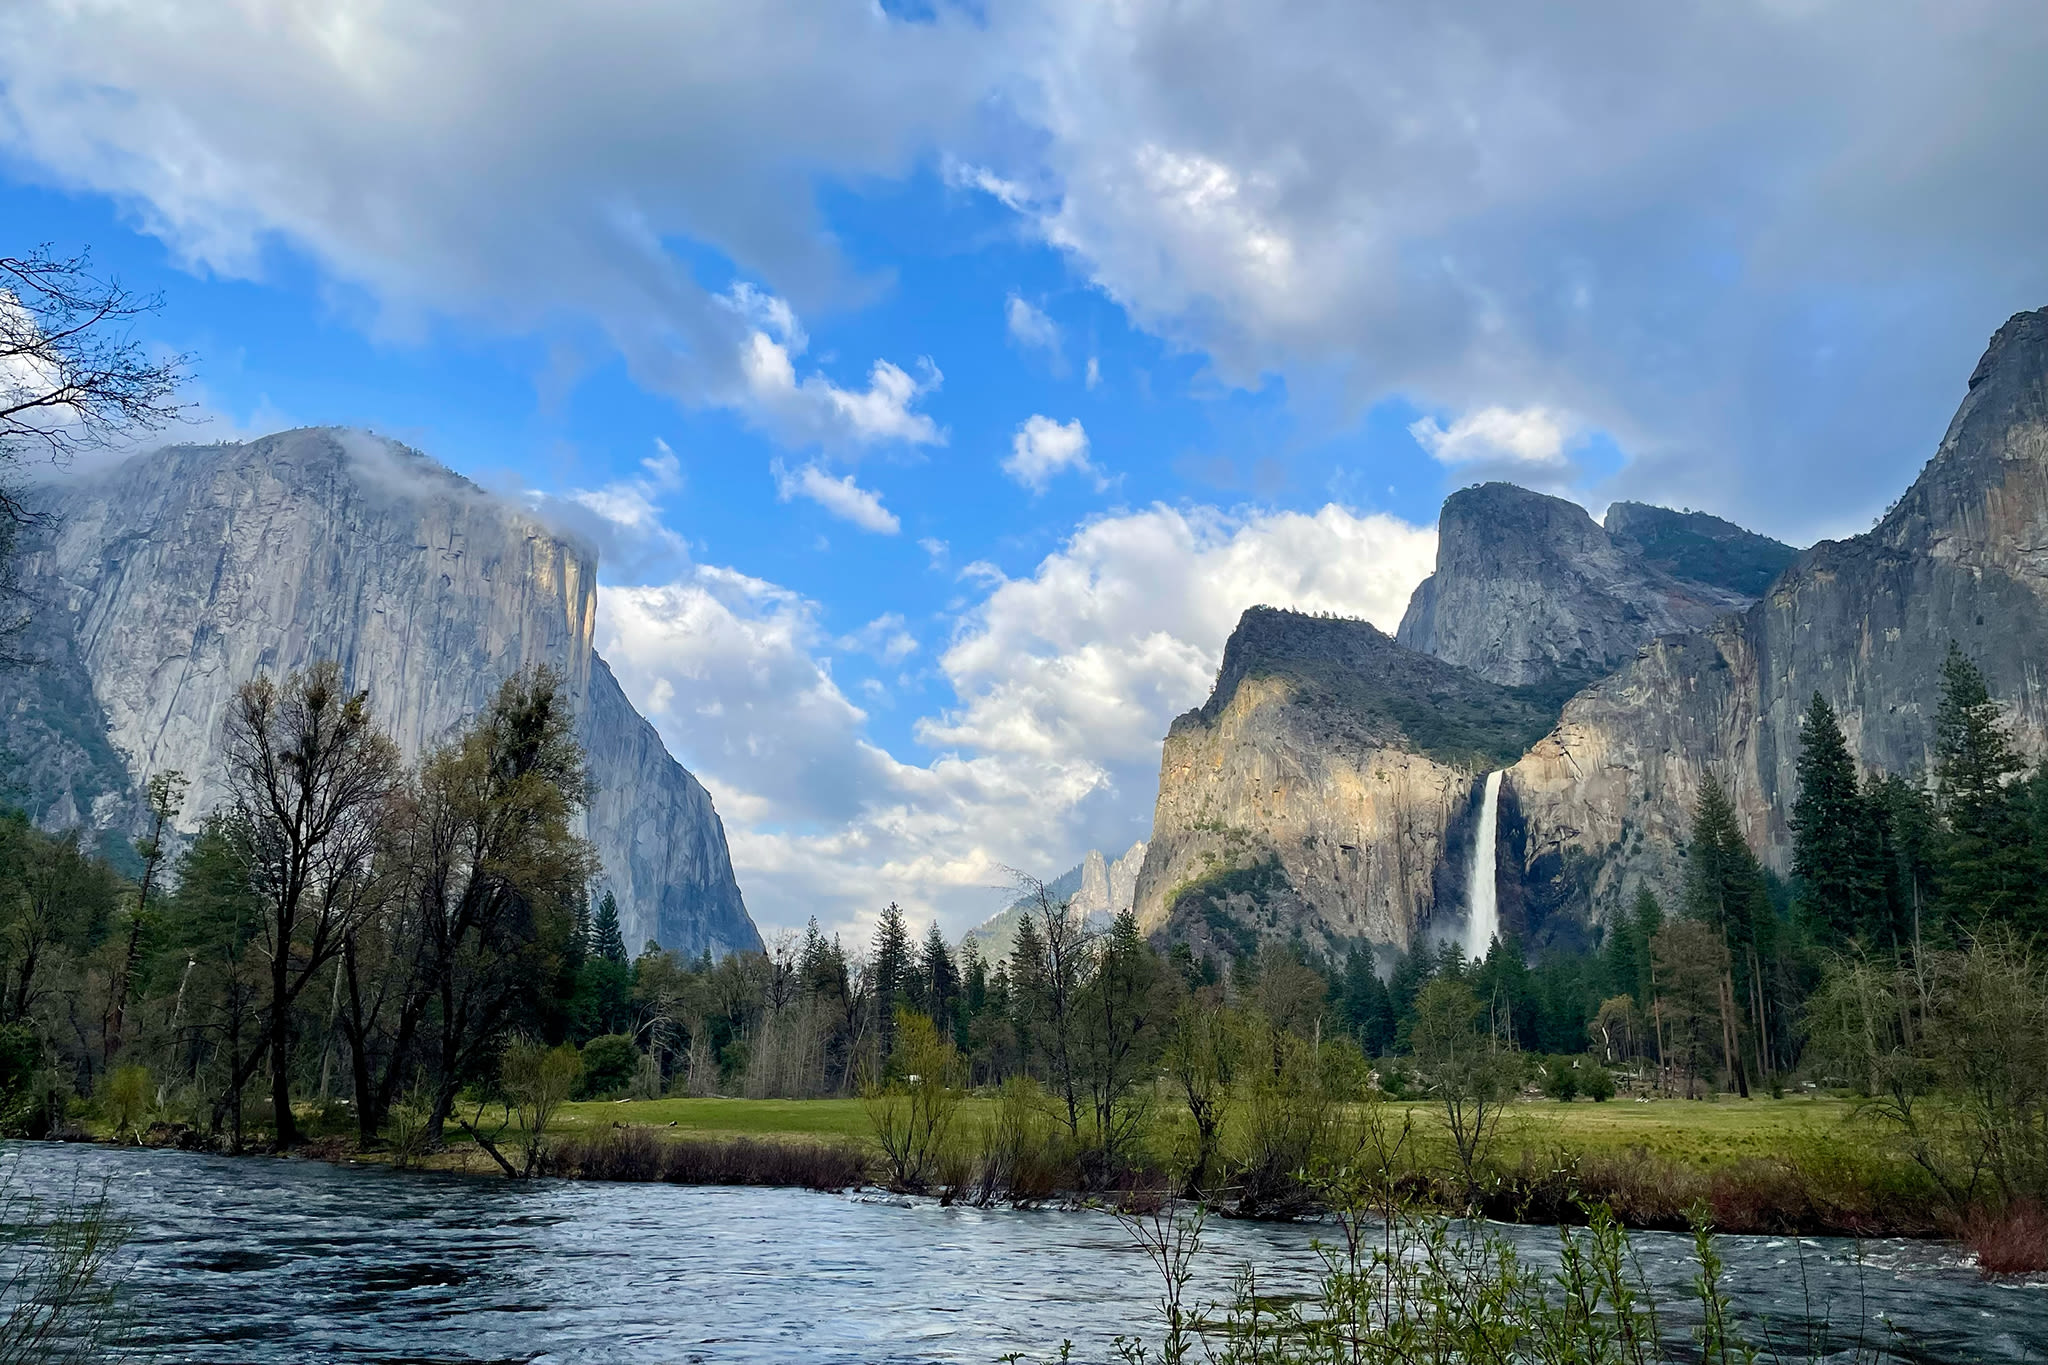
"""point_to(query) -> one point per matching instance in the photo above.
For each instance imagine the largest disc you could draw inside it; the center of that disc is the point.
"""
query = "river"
(259, 1260)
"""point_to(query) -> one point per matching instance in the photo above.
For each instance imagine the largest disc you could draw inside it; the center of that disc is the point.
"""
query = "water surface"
(261, 1260)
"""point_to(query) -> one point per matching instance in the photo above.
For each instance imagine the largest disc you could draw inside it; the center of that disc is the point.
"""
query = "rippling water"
(259, 1260)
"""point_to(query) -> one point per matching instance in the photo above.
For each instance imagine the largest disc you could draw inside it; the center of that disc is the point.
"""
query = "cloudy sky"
(941, 380)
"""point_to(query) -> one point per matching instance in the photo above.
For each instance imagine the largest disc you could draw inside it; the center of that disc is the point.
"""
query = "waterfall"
(1482, 911)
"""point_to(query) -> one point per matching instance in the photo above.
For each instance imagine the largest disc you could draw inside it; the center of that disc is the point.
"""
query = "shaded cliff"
(1312, 792)
(1962, 556)
(170, 580)
(1529, 590)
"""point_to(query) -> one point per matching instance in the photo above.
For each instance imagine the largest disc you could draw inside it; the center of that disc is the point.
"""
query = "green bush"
(1598, 1084)
(23, 1112)
(1560, 1081)
(609, 1063)
(127, 1098)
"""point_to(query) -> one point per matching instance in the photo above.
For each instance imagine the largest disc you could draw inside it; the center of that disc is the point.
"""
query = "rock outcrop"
(175, 577)
(1316, 790)
(1866, 622)
(1530, 591)
(1097, 889)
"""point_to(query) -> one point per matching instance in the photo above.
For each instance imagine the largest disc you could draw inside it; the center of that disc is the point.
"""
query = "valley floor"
(1796, 1164)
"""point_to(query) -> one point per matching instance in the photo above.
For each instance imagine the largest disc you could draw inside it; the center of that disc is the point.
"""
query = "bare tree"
(488, 869)
(310, 773)
(72, 376)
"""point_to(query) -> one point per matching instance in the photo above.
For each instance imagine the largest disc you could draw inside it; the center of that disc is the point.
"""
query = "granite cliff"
(1962, 556)
(1327, 787)
(168, 581)
(1530, 591)
(1315, 790)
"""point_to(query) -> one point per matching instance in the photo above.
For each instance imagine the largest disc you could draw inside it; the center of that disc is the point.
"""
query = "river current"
(258, 1260)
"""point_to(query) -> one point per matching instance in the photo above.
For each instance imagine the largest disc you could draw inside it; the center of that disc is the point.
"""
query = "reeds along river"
(296, 1261)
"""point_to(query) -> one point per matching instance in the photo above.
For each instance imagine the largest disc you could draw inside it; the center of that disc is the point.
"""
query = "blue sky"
(940, 388)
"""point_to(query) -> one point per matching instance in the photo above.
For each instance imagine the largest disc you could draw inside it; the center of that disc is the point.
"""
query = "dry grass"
(2014, 1242)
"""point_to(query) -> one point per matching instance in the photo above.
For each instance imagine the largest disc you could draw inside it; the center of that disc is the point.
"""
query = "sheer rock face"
(1530, 590)
(1308, 793)
(177, 576)
(1315, 791)
(1865, 622)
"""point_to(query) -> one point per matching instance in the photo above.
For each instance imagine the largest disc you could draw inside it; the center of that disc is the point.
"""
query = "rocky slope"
(1530, 591)
(1317, 789)
(1963, 556)
(172, 579)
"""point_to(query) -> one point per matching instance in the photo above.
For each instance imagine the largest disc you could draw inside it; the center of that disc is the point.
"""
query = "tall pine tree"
(1836, 858)
(1985, 863)
(605, 939)
(891, 967)
(1725, 889)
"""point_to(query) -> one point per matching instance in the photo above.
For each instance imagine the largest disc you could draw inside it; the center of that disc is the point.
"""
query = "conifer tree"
(1725, 889)
(1984, 856)
(941, 981)
(891, 966)
(1832, 835)
(606, 941)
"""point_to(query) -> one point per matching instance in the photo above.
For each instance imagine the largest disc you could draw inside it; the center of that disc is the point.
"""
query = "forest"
(354, 946)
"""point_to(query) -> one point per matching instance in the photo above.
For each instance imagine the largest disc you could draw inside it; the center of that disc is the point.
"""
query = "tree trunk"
(369, 1114)
(281, 1046)
(1730, 1035)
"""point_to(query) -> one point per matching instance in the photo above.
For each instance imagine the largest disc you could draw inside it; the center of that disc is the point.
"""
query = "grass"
(1798, 1164)
(790, 1120)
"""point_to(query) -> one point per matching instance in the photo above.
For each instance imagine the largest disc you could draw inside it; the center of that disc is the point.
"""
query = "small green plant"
(57, 1289)
(411, 1128)
(913, 1114)
(127, 1096)
(1560, 1081)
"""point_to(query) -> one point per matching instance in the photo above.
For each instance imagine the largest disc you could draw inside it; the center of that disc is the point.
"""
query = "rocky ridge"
(173, 578)
(1314, 791)
(1962, 556)
(1530, 591)
(1300, 799)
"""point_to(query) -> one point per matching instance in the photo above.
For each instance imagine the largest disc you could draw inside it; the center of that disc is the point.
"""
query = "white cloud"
(1043, 448)
(887, 638)
(623, 520)
(1094, 373)
(1030, 326)
(1495, 435)
(1064, 683)
(842, 497)
(815, 411)
(1757, 242)
(1087, 660)
(1749, 239)
(520, 164)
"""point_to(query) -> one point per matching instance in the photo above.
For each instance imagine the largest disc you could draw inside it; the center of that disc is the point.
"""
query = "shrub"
(638, 1154)
(1560, 1082)
(2014, 1242)
(1598, 1084)
(609, 1065)
(913, 1115)
(127, 1098)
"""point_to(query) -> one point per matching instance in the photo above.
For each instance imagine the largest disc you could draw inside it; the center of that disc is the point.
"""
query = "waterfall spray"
(1482, 911)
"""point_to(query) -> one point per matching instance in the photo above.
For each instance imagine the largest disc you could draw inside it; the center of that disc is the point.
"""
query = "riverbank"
(1803, 1164)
